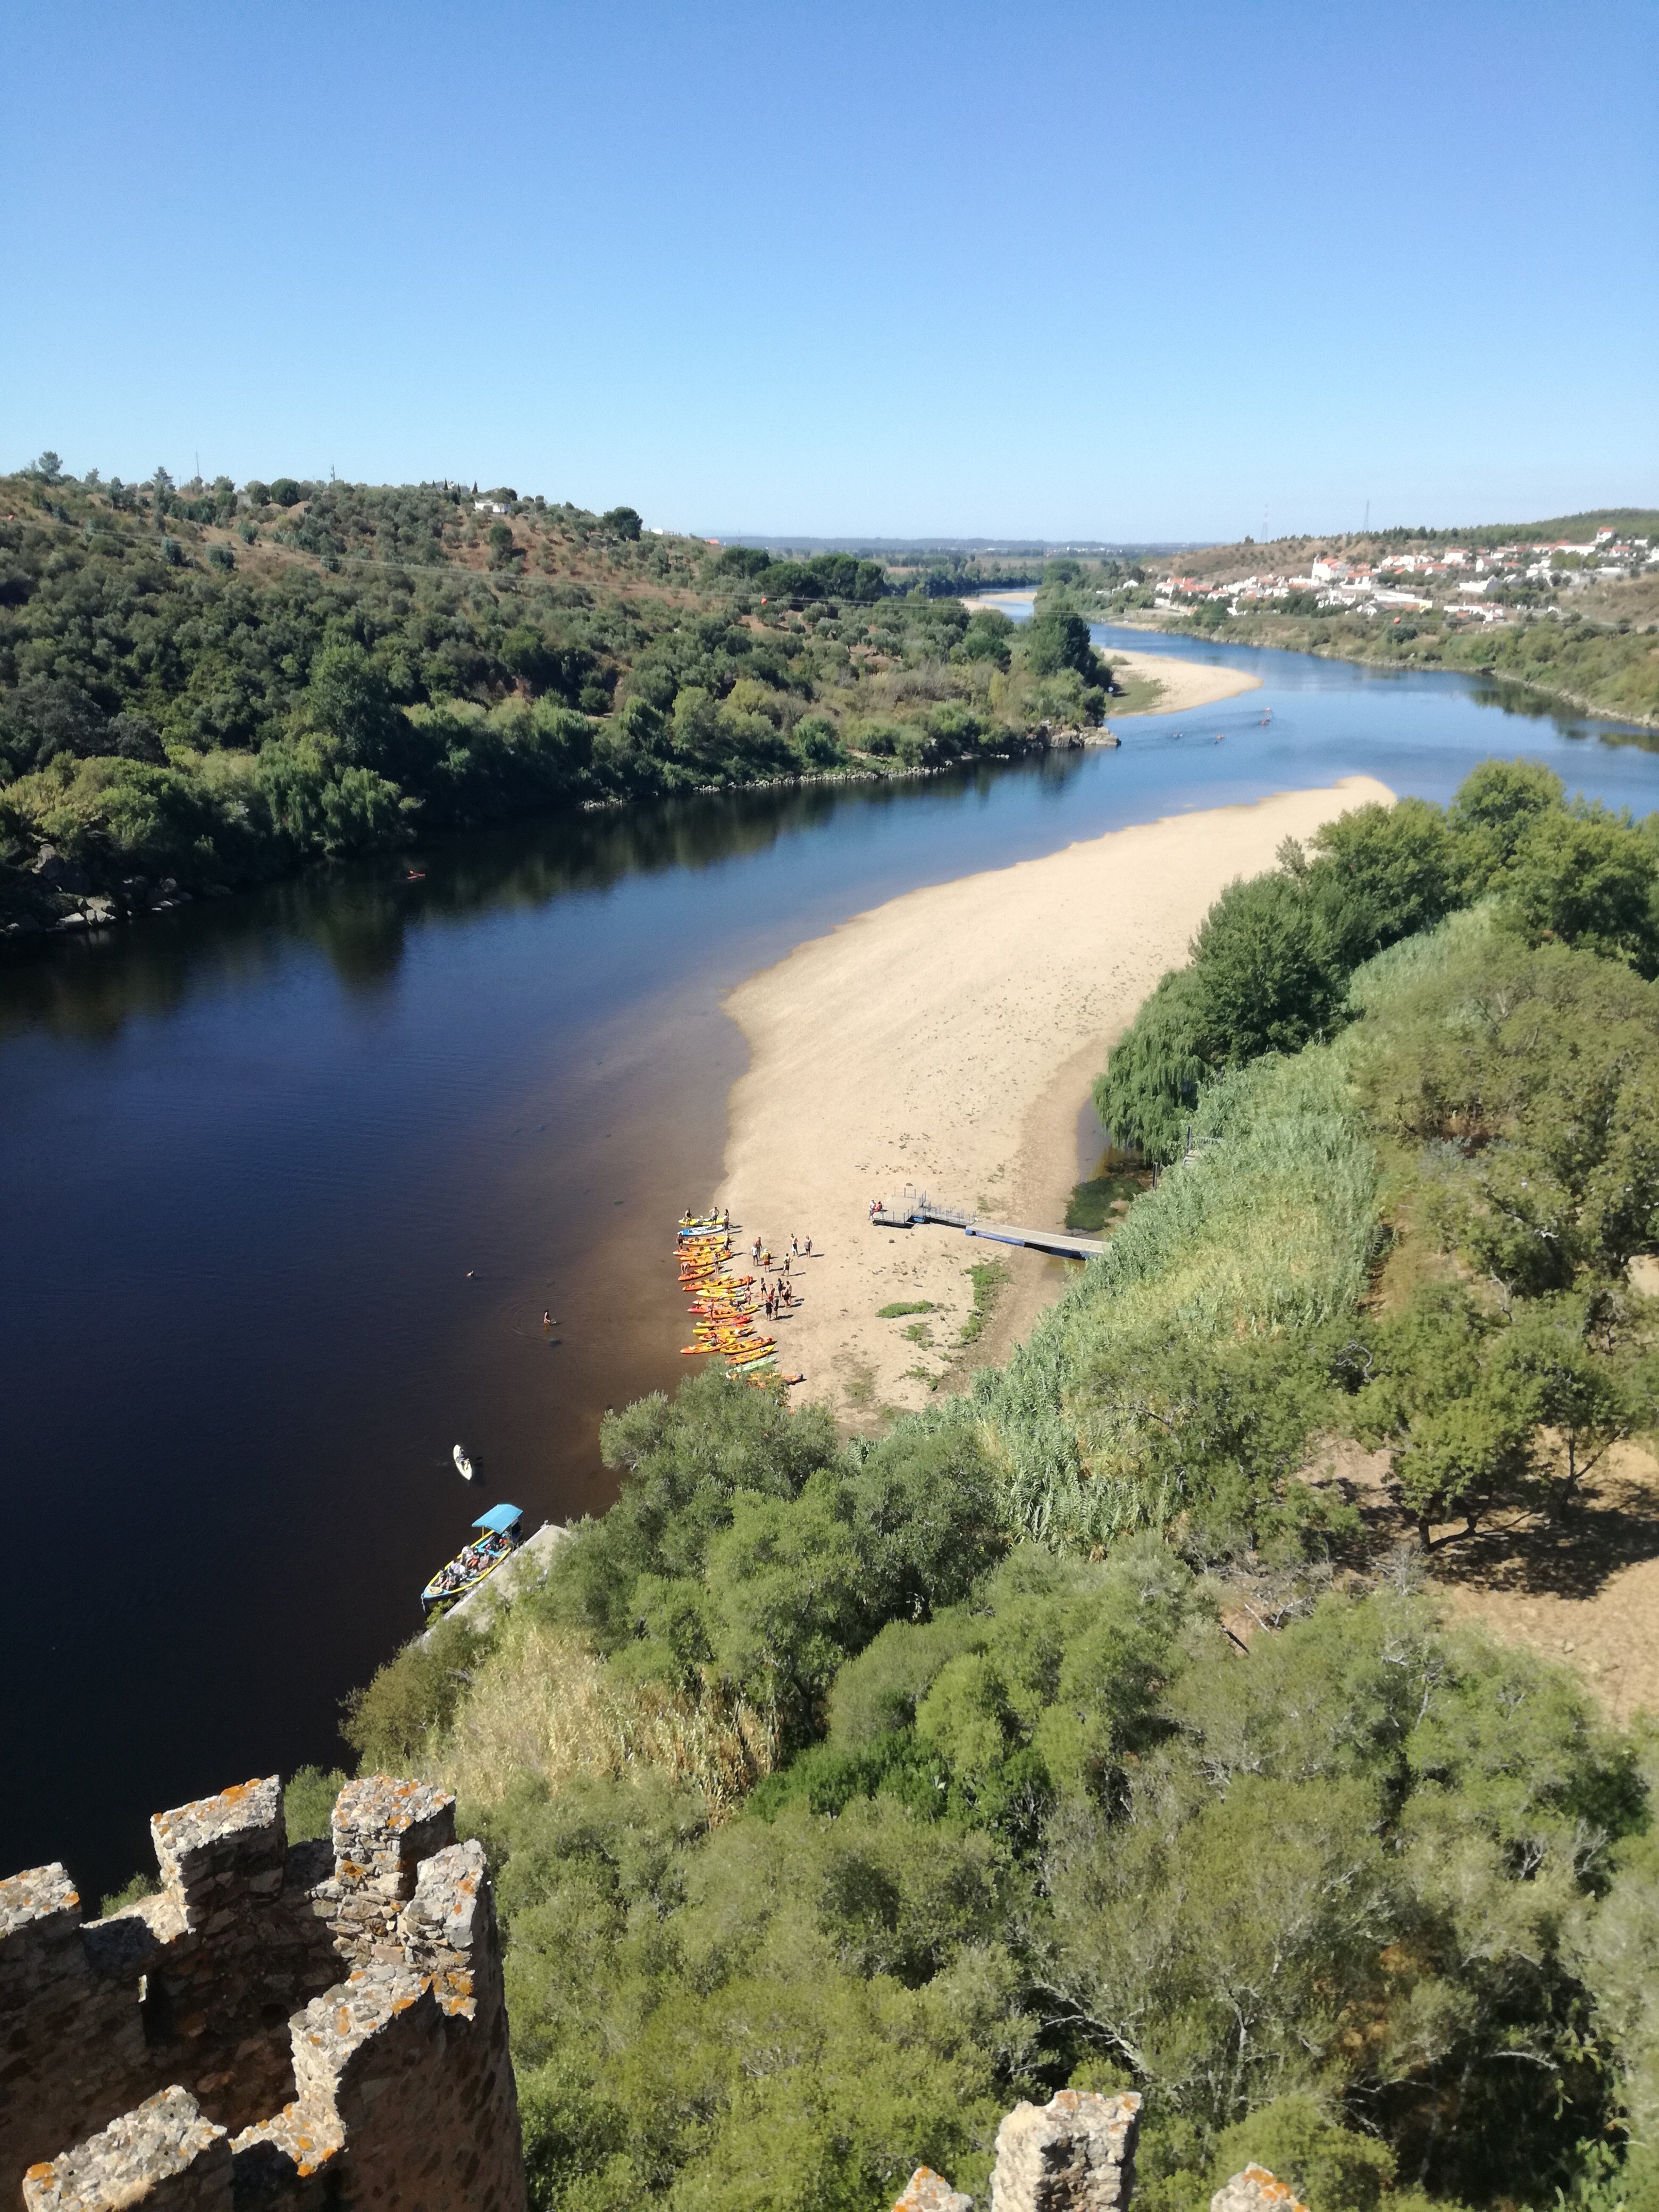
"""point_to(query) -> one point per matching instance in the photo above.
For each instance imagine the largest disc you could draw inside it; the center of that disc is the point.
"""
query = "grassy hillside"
(202, 686)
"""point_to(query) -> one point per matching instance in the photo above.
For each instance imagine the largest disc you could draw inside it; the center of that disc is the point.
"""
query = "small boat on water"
(498, 1539)
(464, 1465)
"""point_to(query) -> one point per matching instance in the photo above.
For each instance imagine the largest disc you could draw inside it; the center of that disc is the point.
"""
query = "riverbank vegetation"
(1094, 1726)
(204, 687)
(1608, 666)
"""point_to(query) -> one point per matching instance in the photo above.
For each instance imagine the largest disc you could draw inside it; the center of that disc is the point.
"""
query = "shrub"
(308, 1798)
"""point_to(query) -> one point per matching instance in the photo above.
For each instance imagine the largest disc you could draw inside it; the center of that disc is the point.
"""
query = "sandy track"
(949, 1039)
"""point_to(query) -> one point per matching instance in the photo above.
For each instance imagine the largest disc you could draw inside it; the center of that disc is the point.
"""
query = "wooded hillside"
(203, 687)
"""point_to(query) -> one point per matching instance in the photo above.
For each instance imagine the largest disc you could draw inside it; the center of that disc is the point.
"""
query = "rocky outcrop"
(1075, 2154)
(928, 2191)
(1256, 2190)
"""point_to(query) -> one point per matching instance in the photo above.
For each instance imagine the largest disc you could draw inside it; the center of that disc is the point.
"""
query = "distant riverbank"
(948, 1039)
(1155, 683)
(1593, 673)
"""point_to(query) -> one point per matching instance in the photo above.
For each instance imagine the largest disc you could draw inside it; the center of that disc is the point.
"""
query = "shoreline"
(949, 1039)
(1574, 702)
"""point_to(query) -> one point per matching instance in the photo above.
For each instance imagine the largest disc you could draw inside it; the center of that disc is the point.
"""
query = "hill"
(204, 686)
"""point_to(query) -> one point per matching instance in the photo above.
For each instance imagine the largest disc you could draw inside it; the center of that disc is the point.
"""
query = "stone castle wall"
(282, 2026)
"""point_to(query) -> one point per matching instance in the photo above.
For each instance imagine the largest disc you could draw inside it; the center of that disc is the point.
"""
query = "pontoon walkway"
(917, 1207)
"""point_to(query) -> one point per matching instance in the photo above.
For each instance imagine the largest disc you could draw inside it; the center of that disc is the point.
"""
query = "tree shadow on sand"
(1571, 1554)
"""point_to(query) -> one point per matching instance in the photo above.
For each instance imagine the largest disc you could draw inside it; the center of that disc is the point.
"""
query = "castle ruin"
(283, 2028)
(311, 2027)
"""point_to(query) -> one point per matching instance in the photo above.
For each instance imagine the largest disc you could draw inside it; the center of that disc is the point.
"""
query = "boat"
(476, 1561)
(463, 1463)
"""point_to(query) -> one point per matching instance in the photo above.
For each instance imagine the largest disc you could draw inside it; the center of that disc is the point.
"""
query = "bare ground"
(1582, 1588)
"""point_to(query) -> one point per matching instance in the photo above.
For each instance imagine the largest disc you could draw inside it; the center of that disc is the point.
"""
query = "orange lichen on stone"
(1256, 2190)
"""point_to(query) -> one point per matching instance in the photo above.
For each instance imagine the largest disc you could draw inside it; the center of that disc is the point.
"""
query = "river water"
(291, 1179)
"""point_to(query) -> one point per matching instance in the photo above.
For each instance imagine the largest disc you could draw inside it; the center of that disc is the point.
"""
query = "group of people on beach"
(779, 1296)
(794, 1250)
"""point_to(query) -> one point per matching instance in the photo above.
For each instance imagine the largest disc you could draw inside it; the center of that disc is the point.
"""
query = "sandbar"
(948, 1040)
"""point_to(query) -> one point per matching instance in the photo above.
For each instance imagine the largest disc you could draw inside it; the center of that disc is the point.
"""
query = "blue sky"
(1107, 271)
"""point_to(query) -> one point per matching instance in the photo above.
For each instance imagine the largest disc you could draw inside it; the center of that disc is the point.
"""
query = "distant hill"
(1633, 521)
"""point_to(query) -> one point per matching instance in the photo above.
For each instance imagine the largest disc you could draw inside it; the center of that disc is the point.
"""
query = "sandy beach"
(1183, 686)
(948, 1040)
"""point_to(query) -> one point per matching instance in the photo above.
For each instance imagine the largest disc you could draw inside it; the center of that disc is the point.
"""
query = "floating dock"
(915, 1206)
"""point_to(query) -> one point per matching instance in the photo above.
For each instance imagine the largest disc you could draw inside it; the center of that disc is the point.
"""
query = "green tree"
(349, 702)
(1459, 1421)
(1052, 642)
(1585, 1401)
(1384, 873)
(1300, 2144)
(1269, 968)
(1585, 876)
(1496, 806)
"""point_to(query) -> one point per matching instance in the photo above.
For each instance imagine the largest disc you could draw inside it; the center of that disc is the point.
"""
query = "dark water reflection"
(291, 1179)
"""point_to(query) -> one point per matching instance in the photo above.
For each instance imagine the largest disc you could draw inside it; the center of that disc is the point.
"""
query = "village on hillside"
(1468, 584)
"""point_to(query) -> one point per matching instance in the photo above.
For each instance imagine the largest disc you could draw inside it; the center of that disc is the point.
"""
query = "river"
(290, 1180)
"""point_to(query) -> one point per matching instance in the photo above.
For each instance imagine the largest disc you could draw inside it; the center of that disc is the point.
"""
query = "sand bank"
(1183, 686)
(949, 1039)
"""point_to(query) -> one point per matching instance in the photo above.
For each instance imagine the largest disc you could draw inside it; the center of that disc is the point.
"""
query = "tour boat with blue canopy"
(498, 1539)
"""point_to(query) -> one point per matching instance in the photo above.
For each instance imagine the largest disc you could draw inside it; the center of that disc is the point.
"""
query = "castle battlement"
(283, 2026)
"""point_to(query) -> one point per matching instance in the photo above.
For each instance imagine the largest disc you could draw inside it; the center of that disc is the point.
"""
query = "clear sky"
(1132, 270)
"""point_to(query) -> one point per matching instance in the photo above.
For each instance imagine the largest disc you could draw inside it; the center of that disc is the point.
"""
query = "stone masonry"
(1256, 2190)
(290, 2027)
(1075, 2154)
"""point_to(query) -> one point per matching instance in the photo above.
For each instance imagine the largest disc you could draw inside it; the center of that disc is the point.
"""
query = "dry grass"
(544, 1705)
